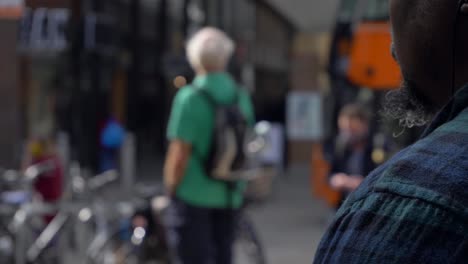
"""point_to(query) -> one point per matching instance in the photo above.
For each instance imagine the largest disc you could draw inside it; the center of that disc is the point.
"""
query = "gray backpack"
(227, 159)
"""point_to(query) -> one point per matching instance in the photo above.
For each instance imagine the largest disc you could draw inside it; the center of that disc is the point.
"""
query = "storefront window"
(347, 10)
(212, 10)
(41, 94)
(368, 10)
(176, 25)
(377, 10)
(196, 16)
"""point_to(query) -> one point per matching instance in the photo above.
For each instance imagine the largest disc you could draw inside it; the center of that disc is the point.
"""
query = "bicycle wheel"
(115, 251)
(74, 239)
(118, 251)
(247, 247)
(6, 245)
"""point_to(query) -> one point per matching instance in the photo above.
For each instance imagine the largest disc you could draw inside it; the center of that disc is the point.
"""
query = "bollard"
(63, 150)
(128, 162)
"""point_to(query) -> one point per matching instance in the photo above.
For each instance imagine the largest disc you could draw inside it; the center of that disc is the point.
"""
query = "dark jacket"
(414, 208)
(339, 160)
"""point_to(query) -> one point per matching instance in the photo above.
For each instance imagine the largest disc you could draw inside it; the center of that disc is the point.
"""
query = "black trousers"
(201, 235)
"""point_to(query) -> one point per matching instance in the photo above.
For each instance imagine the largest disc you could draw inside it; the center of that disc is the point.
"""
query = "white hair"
(210, 50)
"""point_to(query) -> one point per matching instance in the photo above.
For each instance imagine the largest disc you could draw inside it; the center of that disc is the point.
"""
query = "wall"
(309, 15)
(14, 86)
(308, 73)
(48, 3)
(10, 116)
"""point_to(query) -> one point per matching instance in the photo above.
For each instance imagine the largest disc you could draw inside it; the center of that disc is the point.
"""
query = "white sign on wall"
(304, 116)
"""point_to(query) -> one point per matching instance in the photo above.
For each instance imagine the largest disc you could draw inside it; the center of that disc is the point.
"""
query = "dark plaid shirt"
(414, 208)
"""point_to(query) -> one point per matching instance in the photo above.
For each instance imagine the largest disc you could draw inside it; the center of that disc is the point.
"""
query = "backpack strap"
(230, 186)
(237, 97)
(206, 161)
(212, 101)
(207, 96)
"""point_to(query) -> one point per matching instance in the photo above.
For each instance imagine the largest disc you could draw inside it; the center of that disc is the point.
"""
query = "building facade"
(70, 64)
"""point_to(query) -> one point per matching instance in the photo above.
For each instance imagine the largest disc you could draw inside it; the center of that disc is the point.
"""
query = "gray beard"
(407, 107)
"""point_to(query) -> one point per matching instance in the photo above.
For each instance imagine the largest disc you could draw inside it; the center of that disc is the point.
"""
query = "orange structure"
(371, 64)
(360, 55)
(11, 12)
(320, 169)
(11, 9)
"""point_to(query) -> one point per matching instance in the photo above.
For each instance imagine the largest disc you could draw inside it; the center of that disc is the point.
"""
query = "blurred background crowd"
(92, 82)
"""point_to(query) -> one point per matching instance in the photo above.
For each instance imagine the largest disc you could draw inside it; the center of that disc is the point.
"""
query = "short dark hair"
(355, 111)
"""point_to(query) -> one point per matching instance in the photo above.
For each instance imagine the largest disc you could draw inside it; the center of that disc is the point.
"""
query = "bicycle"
(247, 239)
(78, 223)
(23, 235)
(108, 234)
(16, 204)
(140, 239)
(145, 241)
(86, 226)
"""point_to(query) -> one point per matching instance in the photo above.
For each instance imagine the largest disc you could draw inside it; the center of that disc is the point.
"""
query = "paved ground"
(292, 223)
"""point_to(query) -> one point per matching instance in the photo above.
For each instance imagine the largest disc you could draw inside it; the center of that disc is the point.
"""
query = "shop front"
(32, 51)
(10, 95)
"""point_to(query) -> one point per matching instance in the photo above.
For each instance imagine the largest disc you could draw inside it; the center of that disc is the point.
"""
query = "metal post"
(134, 74)
(93, 114)
(162, 27)
(185, 18)
(10, 117)
(63, 150)
(128, 162)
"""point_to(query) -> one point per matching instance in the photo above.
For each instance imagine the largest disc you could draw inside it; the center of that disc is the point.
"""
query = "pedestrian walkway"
(292, 222)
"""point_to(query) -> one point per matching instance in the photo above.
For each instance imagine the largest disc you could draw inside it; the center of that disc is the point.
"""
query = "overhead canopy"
(308, 15)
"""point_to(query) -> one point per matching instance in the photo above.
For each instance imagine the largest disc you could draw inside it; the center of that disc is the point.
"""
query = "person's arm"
(247, 107)
(345, 182)
(336, 177)
(183, 129)
(177, 159)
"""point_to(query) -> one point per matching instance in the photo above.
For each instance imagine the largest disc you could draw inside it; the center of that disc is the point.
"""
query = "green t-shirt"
(192, 121)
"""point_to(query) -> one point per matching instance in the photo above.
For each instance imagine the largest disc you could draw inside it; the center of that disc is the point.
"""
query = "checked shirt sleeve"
(388, 228)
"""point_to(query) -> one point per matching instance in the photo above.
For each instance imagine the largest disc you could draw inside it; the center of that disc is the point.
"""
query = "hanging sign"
(44, 30)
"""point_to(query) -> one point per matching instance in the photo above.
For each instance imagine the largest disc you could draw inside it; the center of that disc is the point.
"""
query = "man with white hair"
(202, 218)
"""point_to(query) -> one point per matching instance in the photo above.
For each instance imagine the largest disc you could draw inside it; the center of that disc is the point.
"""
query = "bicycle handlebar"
(34, 171)
(102, 180)
(29, 175)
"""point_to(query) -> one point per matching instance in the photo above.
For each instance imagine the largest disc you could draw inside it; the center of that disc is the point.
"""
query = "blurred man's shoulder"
(434, 169)
(185, 92)
(187, 95)
(412, 206)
